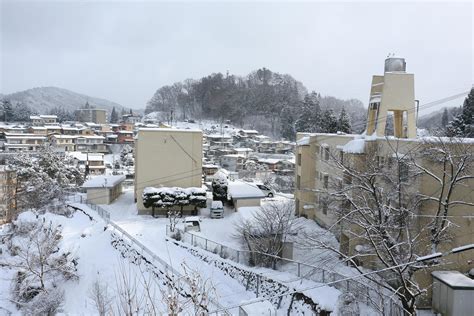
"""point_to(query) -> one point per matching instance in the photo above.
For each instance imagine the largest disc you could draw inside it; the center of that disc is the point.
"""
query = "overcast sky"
(124, 51)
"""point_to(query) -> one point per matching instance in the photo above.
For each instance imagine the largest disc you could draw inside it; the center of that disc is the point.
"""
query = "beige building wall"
(313, 162)
(167, 158)
(246, 202)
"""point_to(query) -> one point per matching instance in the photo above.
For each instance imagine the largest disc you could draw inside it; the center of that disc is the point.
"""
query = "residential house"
(41, 120)
(166, 157)
(63, 143)
(90, 144)
(23, 142)
(233, 162)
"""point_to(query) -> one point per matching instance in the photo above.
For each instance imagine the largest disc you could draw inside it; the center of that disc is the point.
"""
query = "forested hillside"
(271, 102)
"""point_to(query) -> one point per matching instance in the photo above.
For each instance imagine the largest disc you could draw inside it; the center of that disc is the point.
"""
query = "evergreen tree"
(444, 118)
(329, 122)
(7, 110)
(287, 119)
(21, 112)
(463, 124)
(309, 118)
(113, 116)
(131, 113)
(344, 123)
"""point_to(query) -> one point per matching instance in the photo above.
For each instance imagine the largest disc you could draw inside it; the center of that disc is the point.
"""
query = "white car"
(217, 209)
(269, 192)
(192, 224)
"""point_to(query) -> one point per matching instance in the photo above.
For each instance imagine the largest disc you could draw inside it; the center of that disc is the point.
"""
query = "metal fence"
(368, 292)
(133, 242)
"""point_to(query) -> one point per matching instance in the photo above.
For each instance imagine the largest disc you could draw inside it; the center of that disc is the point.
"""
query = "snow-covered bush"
(43, 178)
(34, 251)
(174, 199)
(219, 189)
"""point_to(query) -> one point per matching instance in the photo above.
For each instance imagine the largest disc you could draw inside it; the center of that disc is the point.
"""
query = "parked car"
(192, 224)
(217, 209)
(269, 192)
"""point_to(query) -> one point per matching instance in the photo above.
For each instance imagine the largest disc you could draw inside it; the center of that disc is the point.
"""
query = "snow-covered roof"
(210, 166)
(243, 150)
(454, 279)
(303, 141)
(270, 161)
(249, 131)
(49, 116)
(233, 156)
(240, 189)
(258, 308)
(104, 181)
(355, 146)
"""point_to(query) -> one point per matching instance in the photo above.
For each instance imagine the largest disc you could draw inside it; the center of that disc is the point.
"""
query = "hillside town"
(232, 198)
(259, 158)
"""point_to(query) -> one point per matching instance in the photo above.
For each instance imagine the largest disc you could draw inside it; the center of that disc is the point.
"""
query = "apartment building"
(41, 120)
(7, 194)
(319, 171)
(97, 116)
(91, 144)
(166, 157)
(23, 142)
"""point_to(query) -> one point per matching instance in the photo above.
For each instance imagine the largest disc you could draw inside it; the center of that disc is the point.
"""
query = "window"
(299, 159)
(341, 156)
(326, 181)
(403, 171)
(298, 181)
(324, 206)
(326, 153)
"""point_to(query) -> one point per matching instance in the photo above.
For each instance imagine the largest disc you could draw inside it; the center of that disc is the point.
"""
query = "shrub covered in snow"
(43, 178)
(33, 251)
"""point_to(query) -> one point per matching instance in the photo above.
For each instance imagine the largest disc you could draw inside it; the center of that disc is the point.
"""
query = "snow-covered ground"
(97, 260)
(152, 231)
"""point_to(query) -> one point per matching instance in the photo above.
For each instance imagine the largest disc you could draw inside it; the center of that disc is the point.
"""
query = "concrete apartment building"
(97, 116)
(166, 157)
(317, 173)
(41, 120)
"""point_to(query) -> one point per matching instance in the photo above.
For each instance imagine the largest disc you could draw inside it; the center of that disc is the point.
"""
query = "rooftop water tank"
(395, 64)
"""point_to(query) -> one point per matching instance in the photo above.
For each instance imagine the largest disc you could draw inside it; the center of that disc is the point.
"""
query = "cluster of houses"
(247, 150)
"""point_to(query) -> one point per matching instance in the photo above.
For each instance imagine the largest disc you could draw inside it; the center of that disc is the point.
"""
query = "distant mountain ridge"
(43, 99)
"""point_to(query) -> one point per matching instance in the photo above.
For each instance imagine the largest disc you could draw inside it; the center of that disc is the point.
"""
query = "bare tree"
(451, 161)
(100, 295)
(267, 230)
(40, 265)
(377, 202)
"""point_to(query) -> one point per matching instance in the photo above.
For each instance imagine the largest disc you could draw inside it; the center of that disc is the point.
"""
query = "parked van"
(217, 209)
(192, 224)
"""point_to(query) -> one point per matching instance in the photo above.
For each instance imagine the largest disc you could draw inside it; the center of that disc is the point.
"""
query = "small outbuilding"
(244, 194)
(103, 189)
(453, 293)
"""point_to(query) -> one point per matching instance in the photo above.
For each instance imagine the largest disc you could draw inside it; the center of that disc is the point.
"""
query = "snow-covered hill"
(45, 98)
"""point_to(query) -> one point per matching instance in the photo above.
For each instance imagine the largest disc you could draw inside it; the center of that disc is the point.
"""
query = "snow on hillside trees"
(43, 178)
(463, 124)
(173, 200)
(32, 248)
